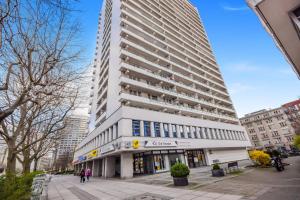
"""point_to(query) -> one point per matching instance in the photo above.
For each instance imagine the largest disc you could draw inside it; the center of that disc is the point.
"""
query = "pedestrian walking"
(88, 173)
(82, 176)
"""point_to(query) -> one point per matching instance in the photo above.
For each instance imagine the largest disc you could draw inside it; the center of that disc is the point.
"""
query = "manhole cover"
(149, 196)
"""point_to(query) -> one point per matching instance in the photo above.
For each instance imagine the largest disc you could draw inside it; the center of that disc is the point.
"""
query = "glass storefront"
(155, 161)
(196, 158)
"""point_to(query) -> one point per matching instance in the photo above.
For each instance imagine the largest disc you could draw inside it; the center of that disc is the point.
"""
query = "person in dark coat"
(82, 176)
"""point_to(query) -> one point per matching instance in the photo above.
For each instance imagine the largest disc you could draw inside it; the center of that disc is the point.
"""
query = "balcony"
(160, 105)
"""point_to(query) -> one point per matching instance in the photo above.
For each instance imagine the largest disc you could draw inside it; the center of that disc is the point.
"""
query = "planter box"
(218, 172)
(180, 181)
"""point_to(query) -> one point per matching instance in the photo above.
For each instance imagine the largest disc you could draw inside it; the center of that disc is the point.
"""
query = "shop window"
(147, 129)
(174, 130)
(166, 130)
(157, 129)
(136, 128)
(159, 163)
(181, 131)
(188, 129)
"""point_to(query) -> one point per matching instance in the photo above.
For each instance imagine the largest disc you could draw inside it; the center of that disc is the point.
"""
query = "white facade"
(281, 19)
(154, 73)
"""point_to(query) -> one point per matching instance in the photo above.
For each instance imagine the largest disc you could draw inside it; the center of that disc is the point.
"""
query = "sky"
(255, 72)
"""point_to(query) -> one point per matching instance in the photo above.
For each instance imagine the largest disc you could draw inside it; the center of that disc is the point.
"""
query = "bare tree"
(37, 63)
(38, 40)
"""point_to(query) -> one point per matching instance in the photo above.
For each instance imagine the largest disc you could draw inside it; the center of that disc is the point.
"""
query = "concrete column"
(152, 129)
(185, 132)
(126, 165)
(125, 127)
(193, 130)
(114, 132)
(162, 132)
(182, 159)
(167, 162)
(207, 157)
(93, 167)
(170, 131)
(198, 129)
(142, 128)
(109, 170)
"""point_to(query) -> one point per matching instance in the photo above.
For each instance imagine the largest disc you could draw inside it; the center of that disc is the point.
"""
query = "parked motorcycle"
(277, 163)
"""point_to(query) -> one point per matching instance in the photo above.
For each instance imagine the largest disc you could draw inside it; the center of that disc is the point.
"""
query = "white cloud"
(229, 8)
(236, 88)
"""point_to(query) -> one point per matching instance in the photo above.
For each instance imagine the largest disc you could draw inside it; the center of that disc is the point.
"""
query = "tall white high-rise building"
(158, 94)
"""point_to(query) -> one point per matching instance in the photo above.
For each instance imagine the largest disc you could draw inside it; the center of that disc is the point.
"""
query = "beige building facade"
(269, 129)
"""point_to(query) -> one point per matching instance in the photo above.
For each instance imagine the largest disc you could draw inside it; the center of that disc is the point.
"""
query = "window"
(201, 133)
(157, 129)
(166, 130)
(211, 134)
(174, 130)
(295, 15)
(206, 133)
(282, 124)
(217, 134)
(136, 128)
(188, 130)
(181, 131)
(194, 129)
(117, 130)
(147, 129)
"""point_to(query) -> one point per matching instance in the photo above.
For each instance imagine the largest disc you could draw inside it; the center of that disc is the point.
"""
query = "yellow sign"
(135, 144)
(93, 154)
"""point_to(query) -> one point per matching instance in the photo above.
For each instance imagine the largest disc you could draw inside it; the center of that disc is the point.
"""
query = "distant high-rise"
(76, 128)
(158, 94)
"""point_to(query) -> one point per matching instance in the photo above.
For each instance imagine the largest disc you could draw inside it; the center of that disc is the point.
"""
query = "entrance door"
(117, 167)
(191, 161)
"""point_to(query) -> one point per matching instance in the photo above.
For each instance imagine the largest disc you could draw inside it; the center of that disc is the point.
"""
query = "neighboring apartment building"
(269, 129)
(158, 94)
(75, 131)
(281, 18)
(292, 110)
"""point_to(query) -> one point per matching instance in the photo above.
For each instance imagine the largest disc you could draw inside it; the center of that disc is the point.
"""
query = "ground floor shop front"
(129, 164)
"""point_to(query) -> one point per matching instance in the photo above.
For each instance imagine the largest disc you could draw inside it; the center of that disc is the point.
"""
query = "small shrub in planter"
(179, 172)
(217, 171)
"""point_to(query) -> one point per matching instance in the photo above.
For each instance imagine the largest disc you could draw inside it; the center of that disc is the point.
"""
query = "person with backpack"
(82, 176)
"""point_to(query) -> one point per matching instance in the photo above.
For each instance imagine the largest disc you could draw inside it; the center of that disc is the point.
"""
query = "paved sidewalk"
(69, 188)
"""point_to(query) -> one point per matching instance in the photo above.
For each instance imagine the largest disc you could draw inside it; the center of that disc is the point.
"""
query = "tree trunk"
(11, 158)
(26, 161)
(36, 160)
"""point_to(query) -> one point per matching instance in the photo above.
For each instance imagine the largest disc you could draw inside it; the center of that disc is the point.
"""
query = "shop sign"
(127, 145)
(156, 143)
(82, 158)
(135, 144)
(117, 145)
(93, 154)
(107, 149)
